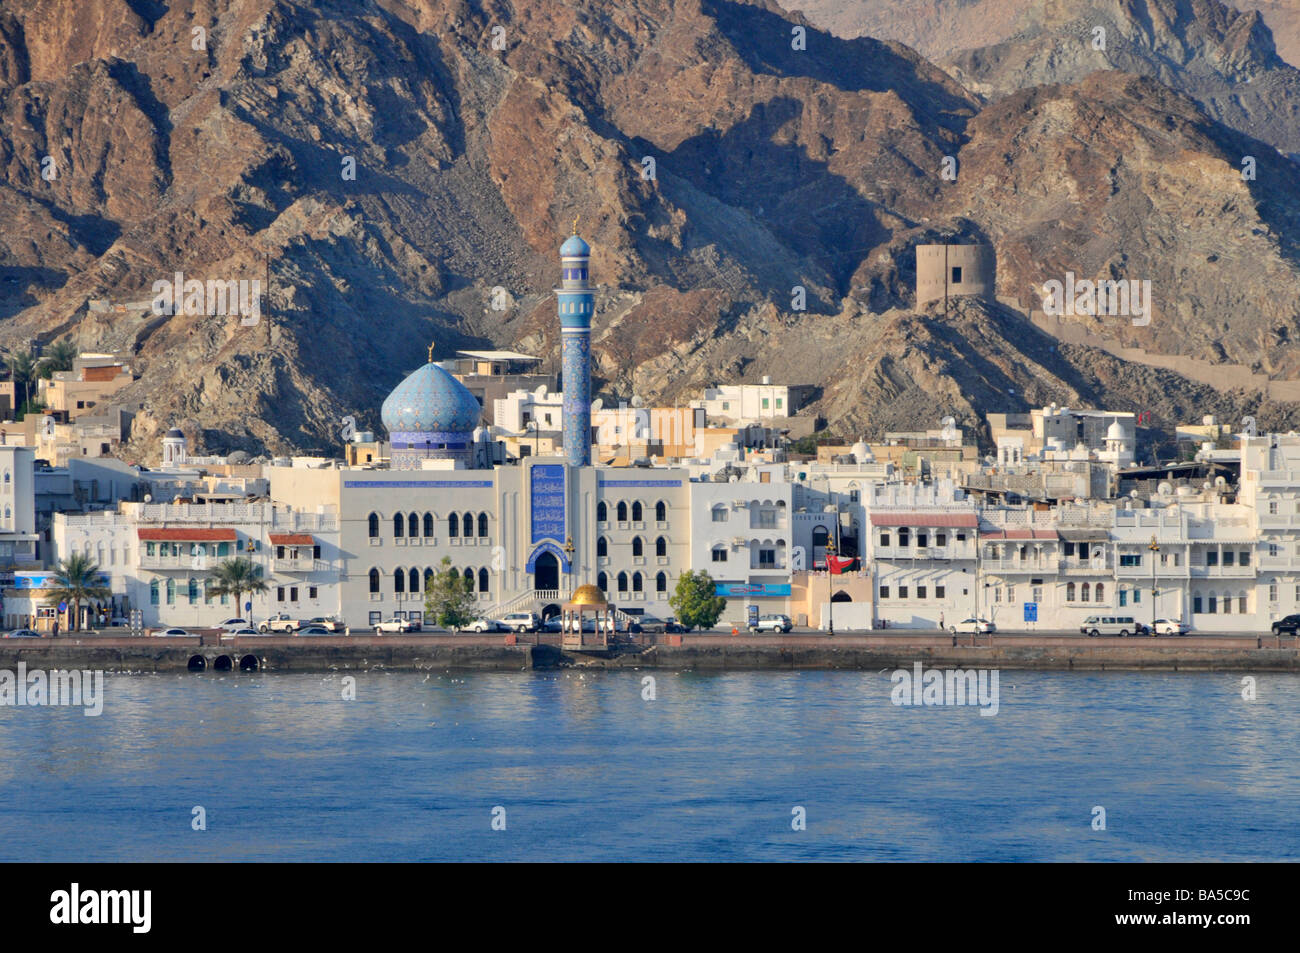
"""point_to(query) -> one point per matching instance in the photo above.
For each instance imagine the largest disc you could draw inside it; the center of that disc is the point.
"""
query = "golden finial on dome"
(575, 223)
(431, 352)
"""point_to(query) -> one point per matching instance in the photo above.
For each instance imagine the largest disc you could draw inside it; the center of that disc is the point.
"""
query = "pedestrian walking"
(56, 628)
(941, 620)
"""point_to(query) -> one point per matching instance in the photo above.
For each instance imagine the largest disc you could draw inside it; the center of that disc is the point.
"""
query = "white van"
(519, 622)
(1121, 625)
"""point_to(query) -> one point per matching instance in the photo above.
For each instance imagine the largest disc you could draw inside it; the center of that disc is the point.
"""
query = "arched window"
(482, 580)
(1101, 592)
(720, 514)
(153, 593)
(413, 526)
(602, 582)
(468, 523)
(904, 536)
(820, 535)
(374, 525)
(622, 511)
(428, 578)
(661, 582)
(661, 511)
(622, 582)
(399, 525)
(637, 513)
(171, 591)
(1084, 592)
(414, 578)
(636, 582)
(399, 580)
(661, 546)
(638, 548)
(428, 525)
(469, 579)
(193, 591)
(602, 512)
(602, 546)
(482, 526)
(374, 580)
(1069, 592)
(453, 525)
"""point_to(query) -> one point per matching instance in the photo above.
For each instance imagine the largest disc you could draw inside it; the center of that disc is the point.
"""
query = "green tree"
(57, 357)
(696, 601)
(448, 599)
(234, 577)
(811, 442)
(22, 366)
(76, 582)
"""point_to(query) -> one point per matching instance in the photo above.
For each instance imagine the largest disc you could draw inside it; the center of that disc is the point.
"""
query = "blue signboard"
(741, 589)
(753, 616)
(48, 580)
(1031, 611)
(546, 501)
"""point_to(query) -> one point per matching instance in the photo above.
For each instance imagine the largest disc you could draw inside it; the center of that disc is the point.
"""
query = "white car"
(173, 631)
(486, 625)
(1169, 627)
(230, 625)
(972, 627)
(247, 630)
(392, 625)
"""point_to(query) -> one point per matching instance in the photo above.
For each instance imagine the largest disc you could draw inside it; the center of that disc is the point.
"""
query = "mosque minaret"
(574, 302)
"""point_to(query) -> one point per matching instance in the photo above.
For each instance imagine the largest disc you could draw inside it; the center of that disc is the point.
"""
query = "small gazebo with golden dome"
(587, 599)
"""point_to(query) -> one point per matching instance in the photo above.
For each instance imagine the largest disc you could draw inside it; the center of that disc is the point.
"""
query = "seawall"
(695, 651)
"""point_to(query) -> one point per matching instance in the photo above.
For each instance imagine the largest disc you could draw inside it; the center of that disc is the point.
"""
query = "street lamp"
(1154, 547)
(568, 556)
(830, 600)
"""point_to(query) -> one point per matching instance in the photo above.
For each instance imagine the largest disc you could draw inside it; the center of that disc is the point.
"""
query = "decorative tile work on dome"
(430, 401)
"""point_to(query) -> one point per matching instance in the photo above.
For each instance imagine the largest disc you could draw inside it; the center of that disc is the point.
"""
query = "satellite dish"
(540, 392)
(1132, 494)
(1220, 481)
(148, 497)
(597, 404)
(1164, 489)
(637, 401)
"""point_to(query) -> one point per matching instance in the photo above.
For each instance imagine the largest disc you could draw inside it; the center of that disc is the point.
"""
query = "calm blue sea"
(711, 769)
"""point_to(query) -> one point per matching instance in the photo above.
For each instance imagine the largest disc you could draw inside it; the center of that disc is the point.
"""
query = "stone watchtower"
(945, 271)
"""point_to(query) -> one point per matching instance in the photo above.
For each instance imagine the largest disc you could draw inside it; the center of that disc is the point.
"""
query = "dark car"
(314, 630)
(550, 625)
(1286, 625)
(22, 634)
(1140, 629)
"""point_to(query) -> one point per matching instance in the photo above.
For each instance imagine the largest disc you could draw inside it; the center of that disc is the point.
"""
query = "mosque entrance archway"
(841, 596)
(550, 611)
(546, 572)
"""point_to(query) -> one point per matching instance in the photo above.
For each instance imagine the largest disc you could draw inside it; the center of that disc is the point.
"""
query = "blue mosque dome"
(574, 247)
(430, 401)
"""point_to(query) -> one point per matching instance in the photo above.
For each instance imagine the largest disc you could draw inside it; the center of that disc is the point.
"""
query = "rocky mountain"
(386, 165)
(941, 29)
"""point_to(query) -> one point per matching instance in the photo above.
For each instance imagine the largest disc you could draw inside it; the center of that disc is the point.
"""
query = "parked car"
(486, 625)
(314, 630)
(973, 626)
(327, 622)
(519, 622)
(772, 623)
(118, 620)
(173, 631)
(231, 624)
(247, 630)
(1287, 625)
(392, 625)
(1121, 625)
(1170, 627)
(280, 622)
(550, 625)
(23, 634)
(1142, 628)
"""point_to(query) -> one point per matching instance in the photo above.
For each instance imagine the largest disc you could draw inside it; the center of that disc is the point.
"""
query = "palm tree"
(57, 357)
(234, 577)
(76, 581)
(22, 366)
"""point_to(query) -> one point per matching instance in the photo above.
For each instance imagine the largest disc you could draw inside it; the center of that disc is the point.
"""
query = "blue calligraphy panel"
(546, 501)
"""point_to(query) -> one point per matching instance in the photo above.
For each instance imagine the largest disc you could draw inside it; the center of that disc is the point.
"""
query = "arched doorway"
(550, 611)
(546, 572)
(841, 596)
